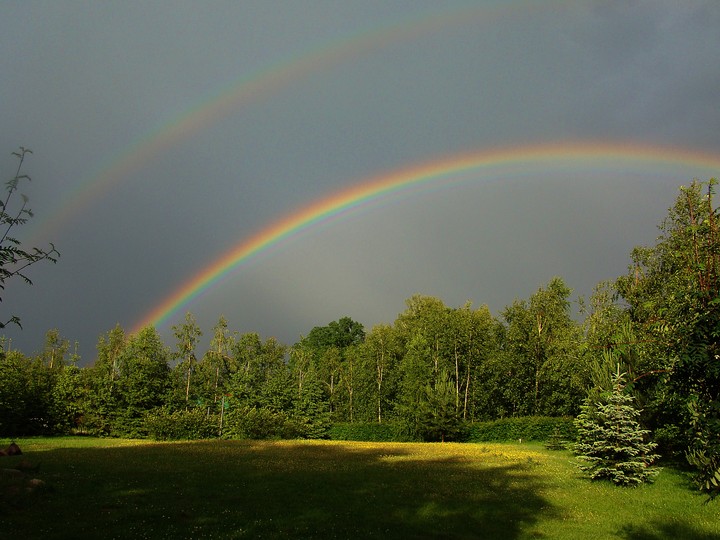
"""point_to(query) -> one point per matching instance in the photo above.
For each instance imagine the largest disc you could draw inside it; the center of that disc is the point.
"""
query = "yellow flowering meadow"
(114, 488)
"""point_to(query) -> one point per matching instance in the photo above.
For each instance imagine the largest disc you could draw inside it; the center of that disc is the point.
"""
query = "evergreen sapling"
(611, 444)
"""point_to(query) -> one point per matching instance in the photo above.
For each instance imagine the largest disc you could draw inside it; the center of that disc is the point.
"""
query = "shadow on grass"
(248, 490)
(662, 530)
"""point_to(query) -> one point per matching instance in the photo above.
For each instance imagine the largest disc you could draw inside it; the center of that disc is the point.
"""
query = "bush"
(163, 425)
(260, 423)
(527, 428)
(254, 423)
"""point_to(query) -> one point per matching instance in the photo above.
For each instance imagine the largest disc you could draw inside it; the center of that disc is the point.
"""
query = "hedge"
(529, 428)
(526, 428)
(367, 431)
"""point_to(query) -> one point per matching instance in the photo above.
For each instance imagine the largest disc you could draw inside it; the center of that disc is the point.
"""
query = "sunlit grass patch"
(41, 444)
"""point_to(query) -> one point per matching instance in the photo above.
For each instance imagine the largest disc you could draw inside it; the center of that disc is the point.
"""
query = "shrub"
(163, 425)
(254, 423)
(704, 451)
(260, 423)
(309, 427)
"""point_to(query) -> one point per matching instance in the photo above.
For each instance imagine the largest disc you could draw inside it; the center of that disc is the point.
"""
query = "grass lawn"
(108, 488)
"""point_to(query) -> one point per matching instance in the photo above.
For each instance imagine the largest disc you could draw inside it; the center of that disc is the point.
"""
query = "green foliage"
(543, 360)
(704, 451)
(673, 293)
(260, 423)
(708, 465)
(341, 334)
(187, 335)
(611, 444)
(332, 351)
(438, 418)
(525, 428)
(163, 425)
(379, 354)
(131, 377)
(27, 406)
(13, 382)
(311, 415)
(310, 408)
(441, 349)
(70, 400)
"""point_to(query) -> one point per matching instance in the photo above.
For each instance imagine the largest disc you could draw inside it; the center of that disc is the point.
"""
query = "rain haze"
(167, 134)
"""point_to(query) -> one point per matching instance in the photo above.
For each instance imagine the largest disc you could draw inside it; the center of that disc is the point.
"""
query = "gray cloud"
(83, 83)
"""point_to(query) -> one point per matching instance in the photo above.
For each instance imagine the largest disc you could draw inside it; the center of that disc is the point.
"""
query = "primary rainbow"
(616, 156)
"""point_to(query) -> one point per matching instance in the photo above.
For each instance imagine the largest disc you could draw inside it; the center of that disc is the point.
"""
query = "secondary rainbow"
(604, 155)
(256, 87)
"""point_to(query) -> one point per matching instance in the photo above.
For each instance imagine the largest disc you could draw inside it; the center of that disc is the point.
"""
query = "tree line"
(434, 364)
(430, 372)
(433, 369)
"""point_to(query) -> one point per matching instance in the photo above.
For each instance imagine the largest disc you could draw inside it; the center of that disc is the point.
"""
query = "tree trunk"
(187, 387)
(380, 371)
(457, 378)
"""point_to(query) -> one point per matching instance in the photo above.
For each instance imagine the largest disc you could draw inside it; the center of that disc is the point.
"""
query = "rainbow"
(623, 157)
(256, 87)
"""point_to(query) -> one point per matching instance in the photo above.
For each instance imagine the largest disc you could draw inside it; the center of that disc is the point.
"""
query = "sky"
(287, 163)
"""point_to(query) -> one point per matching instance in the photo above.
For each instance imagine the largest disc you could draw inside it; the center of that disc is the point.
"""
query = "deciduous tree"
(673, 295)
(542, 348)
(380, 352)
(187, 335)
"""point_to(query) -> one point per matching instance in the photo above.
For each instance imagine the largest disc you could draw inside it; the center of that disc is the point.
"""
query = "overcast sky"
(165, 133)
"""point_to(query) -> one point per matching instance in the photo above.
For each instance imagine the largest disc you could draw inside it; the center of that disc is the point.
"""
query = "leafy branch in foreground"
(14, 259)
(704, 451)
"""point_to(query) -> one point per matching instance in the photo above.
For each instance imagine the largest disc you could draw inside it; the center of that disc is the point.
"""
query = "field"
(108, 488)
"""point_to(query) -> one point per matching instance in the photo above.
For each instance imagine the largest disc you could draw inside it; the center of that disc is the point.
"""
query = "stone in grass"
(26, 466)
(12, 450)
(33, 484)
(11, 474)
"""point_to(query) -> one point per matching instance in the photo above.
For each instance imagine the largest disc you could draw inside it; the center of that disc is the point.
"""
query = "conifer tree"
(611, 444)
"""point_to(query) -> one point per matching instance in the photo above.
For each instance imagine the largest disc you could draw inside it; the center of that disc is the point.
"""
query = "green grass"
(105, 488)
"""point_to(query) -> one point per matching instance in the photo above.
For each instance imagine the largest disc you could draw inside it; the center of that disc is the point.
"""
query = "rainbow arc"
(617, 157)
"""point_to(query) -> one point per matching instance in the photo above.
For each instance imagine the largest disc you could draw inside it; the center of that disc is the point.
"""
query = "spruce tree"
(611, 444)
